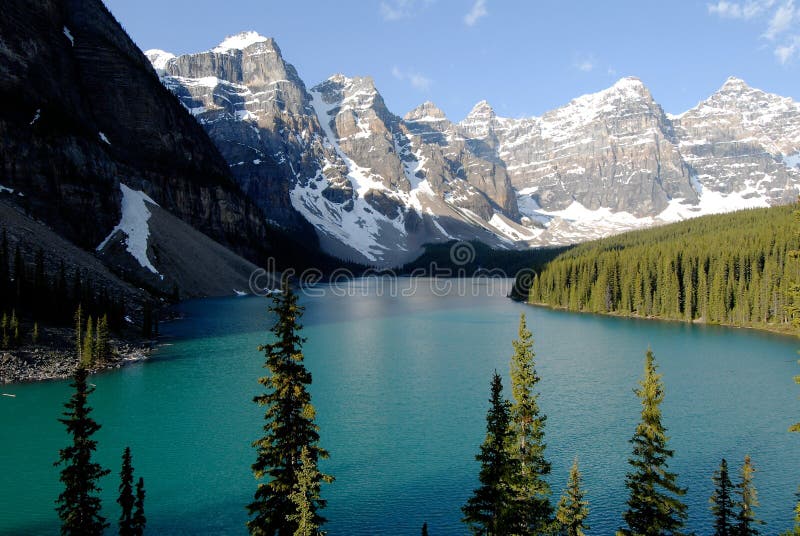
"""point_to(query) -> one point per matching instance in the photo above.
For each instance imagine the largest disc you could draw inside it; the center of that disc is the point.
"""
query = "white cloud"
(780, 16)
(781, 20)
(735, 10)
(477, 12)
(612, 71)
(400, 9)
(585, 65)
(417, 80)
(786, 53)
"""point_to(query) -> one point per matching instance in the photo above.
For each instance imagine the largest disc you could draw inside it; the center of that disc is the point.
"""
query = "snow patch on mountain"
(134, 225)
(239, 41)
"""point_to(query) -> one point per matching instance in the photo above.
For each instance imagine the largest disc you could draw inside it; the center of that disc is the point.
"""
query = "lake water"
(401, 387)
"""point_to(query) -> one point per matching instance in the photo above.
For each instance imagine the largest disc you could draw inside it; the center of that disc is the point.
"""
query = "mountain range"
(377, 186)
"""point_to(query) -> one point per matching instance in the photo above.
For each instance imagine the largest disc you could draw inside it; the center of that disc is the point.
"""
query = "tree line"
(27, 289)
(722, 269)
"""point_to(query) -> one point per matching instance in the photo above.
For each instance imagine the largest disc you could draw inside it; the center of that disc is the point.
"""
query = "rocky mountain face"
(376, 186)
(84, 120)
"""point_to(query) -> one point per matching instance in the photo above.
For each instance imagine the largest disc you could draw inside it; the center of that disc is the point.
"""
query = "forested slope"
(725, 269)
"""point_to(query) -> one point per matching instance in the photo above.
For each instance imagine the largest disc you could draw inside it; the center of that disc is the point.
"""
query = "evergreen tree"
(4, 328)
(492, 509)
(101, 348)
(79, 333)
(139, 520)
(79, 503)
(126, 499)
(35, 333)
(424, 529)
(88, 344)
(289, 426)
(13, 328)
(654, 507)
(722, 502)
(573, 509)
(746, 520)
(306, 493)
(5, 273)
(795, 531)
(527, 425)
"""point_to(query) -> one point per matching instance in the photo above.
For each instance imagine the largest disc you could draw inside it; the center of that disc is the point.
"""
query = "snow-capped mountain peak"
(240, 41)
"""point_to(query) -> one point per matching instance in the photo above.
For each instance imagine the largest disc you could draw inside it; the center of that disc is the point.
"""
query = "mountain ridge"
(376, 186)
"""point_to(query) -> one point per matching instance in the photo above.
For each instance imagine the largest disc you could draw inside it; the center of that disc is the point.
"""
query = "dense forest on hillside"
(725, 269)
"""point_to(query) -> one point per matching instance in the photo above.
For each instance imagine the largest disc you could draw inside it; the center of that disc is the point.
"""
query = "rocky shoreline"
(38, 364)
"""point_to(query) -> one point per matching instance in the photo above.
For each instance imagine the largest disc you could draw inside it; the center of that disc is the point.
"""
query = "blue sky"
(524, 57)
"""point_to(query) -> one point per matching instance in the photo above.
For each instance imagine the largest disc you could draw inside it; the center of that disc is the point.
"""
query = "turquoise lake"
(401, 387)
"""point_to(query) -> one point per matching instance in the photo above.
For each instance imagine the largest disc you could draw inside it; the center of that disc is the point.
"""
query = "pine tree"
(746, 520)
(492, 509)
(573, 509)
(126, 499)
(13, 327)
(306, 493)
(527, 425)
(101, 347)
(722, 502)
(79, 333)
(654, 507)
(79, 503)
(35, 333)
(4, 328)
(88, 344)
(795, 531)
(424, 529)
(139, 520)
(289, 425)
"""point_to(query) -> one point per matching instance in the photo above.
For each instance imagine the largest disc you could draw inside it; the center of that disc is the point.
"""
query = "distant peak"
(481, 110)
(427, 110)
(158, 58)
(734, 84)
(240, 41)
(629, 82)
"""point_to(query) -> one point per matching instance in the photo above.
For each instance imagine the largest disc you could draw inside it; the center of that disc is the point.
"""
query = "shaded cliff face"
(84, 110)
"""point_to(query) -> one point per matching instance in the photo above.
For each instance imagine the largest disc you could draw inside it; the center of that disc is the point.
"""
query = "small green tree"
(4, 326)
(654, 507)
(722, 502)
(14, 328)
(79, 504)
(746, 520)
(88, 343)
(289, 426)
(78, 318)
(102, 349)
(527, 425)
(492, 509)
(139, 520)
(573, 508)
(306, 493)
(126, 498)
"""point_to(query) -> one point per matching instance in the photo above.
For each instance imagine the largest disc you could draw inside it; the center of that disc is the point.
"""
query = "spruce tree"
(492, 509)
(79, 333)
(139, 520)
(424, 529)
(101, 347)
(35, 333)
(527, 425)
(654, 506)
(306, 493)
(289, 426)
(79, 503)
(573, 508)
(746, 520)
(88, 344)
(126, 498)
(722, 502)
